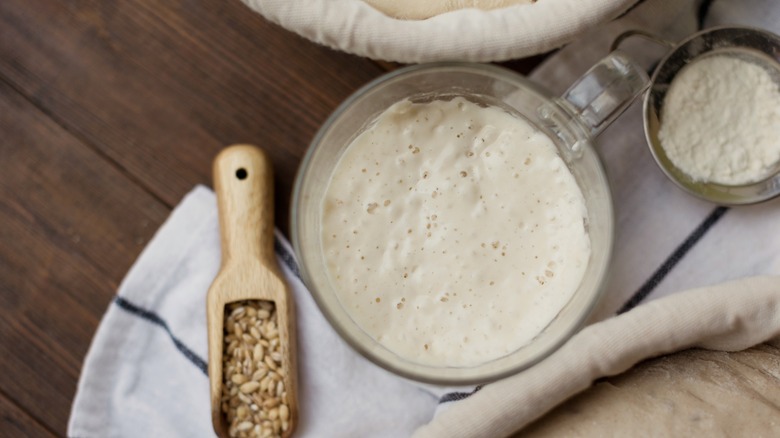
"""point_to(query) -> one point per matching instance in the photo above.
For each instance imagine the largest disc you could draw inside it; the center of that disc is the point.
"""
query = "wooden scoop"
(244, 186)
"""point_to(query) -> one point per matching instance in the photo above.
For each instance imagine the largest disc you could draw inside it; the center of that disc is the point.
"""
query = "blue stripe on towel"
(155, 319)
(455, 396)
(152, 317)
(674, 258)
(287, 258)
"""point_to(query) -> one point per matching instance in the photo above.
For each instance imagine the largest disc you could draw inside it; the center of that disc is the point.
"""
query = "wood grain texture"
(160, 87)
(523, 66)
(691, 393)
(14, 422)
(70, 226)
(109, 113)
(243, 183)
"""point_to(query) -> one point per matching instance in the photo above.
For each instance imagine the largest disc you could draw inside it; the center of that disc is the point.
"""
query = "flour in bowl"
(720, 121)
(453, 232)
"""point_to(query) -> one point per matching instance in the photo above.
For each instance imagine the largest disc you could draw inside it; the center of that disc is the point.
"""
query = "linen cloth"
(145, 374)
(466, 34)
(417, 10)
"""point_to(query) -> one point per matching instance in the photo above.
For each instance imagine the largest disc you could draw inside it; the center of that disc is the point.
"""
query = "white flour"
(720, 121)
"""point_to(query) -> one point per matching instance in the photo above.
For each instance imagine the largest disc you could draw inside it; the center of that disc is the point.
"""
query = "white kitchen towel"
(145, 372)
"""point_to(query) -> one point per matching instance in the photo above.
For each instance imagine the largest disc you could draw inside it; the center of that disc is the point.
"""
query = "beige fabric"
(420, 10)
(731, 316)
(691, 393)
(466, 34)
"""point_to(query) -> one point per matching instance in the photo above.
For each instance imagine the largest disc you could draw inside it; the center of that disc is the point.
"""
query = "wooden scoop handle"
(243, 180)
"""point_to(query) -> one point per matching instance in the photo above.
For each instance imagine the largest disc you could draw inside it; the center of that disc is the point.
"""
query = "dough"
(690, 393)
(420, 10)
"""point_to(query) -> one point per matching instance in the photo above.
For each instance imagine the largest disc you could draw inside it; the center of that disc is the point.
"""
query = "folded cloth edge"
(464, 35)
(730, 316)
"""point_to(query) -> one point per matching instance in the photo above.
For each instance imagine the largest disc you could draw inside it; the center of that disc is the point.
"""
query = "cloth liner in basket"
(463, 35)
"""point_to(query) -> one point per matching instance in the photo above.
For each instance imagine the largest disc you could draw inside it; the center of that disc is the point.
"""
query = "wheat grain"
(254, 398)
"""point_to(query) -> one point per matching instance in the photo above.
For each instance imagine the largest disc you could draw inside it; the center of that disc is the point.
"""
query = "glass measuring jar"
(572, 133)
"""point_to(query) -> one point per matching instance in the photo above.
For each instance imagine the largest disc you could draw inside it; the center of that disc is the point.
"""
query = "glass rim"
(439, 375)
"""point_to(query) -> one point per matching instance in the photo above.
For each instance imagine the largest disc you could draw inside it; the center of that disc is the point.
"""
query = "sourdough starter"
(453, 232)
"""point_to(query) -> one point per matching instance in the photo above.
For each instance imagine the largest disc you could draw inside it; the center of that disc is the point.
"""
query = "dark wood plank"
(70, 226)
(159, 87)
(524, 66)
(14, 422)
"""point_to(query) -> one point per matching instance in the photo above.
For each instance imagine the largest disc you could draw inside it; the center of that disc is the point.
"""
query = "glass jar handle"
(610, 86)
(606, 90)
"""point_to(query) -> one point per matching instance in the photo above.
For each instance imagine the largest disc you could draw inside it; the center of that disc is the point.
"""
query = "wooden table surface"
(110, 112)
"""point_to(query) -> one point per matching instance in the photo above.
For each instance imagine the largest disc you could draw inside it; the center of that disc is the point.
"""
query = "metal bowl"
(752, 45)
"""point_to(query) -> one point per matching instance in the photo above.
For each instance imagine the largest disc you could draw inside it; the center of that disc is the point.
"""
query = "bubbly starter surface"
(453, 232)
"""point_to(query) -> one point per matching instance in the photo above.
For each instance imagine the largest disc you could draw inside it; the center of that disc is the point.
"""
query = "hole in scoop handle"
(243, 181)
(606, 90)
